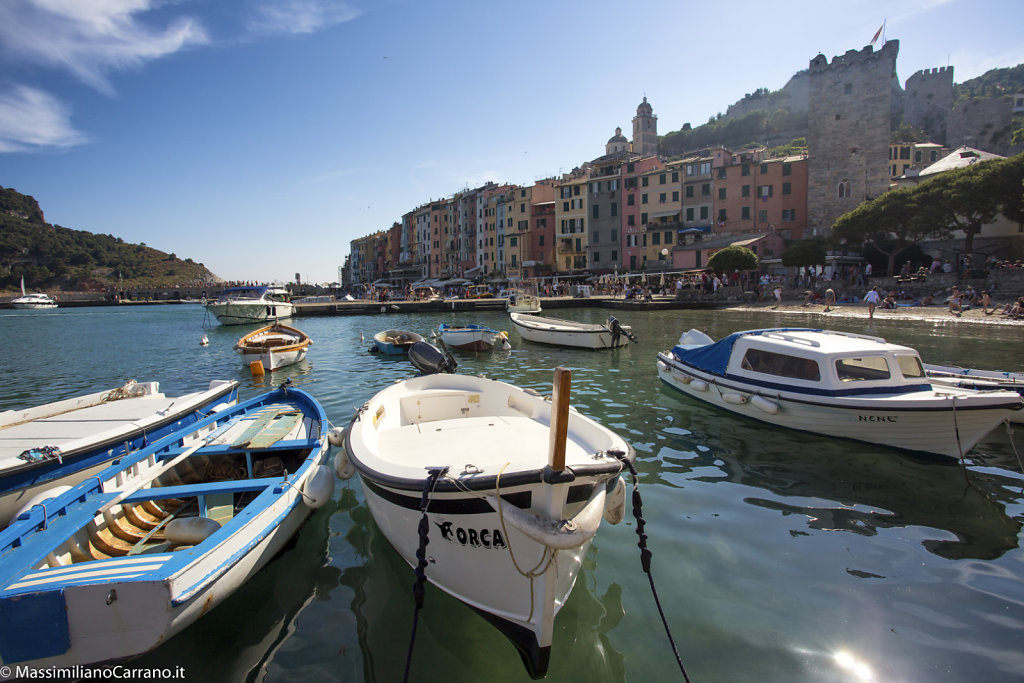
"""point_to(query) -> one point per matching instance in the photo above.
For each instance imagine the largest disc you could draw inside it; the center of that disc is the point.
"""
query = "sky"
(259, 137)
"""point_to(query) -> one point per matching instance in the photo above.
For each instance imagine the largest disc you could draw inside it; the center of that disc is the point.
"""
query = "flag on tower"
(877, 33)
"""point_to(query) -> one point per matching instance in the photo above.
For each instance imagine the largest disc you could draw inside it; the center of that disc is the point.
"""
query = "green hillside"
(51, 257)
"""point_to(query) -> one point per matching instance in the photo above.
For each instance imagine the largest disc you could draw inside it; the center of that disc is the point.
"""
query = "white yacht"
(247, 305)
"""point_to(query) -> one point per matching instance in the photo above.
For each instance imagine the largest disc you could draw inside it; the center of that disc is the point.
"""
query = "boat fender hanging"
(343, 467)
(680, 377)
(615, 502)
(40, 497)
(337, 436)
(734, 397)
(767, 405)
(558, 534)
(190, 530)
(318, 488)
(699, 385)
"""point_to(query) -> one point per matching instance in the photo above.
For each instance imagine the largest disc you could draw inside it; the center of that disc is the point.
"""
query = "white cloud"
(300, 16)
(31, 119)
(89, 38)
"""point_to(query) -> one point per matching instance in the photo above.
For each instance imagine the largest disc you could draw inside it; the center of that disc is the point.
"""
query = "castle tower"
(928, 101)
(848, 129)
(645, 130)
(617, 143)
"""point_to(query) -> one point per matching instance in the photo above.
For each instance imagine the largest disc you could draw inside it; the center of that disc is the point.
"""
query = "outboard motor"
(617, 330)
(430, 360)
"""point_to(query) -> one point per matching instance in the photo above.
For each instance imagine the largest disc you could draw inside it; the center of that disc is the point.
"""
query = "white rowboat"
(274, 346)
(558, 332)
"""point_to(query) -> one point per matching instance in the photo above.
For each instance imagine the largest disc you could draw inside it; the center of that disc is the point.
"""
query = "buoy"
(40, 497)
(256, 368)
(319, 488)
(699, 385)
(383, 309)
(343, 467)
(190, 530)
(615, 503)
(734, 398)
(204, 341)
(336, 436)
(361, 338)
(505, 343)
(767, 405)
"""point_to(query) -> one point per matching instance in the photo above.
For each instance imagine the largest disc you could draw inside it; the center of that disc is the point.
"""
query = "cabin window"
(910, 366)
(757, 360)
(860, 369)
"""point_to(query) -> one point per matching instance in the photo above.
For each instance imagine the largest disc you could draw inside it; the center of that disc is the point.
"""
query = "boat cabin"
(819, 359)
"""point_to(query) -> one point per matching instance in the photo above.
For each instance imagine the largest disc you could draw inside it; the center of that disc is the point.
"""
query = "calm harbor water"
(778, 556)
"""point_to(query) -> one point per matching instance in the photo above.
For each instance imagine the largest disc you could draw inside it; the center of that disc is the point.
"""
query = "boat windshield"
(780, 364)
(866, 368)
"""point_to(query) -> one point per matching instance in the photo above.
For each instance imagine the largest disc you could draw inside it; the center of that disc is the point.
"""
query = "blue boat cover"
(714, 357)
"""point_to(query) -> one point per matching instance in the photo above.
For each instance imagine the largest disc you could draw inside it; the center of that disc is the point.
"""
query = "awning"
(474, 269)
(663, 214)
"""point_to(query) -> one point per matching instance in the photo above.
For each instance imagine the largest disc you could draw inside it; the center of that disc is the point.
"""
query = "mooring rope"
(645, 555)
(421, 556)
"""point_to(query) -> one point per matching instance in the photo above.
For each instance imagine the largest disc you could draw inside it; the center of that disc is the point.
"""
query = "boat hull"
(250, 313)
(469, 338)
(275, 346)
(395, 342)
(543, 330)
(949, 425)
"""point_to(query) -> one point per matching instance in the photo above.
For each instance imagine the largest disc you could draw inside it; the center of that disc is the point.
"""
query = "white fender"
(734, 397)
(318, 488)
(680, 377)
(767, 405)
(699, 385)
(615, 503)
(336, 436)
(343, 467)
(558, 534)
(190, 530)
(40, 497)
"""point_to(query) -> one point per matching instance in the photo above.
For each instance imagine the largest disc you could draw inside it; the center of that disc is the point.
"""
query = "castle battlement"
(821, 64)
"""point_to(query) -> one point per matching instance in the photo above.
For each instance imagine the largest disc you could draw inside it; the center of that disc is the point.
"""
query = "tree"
(733, 258)
(804, 253)
(891, 223)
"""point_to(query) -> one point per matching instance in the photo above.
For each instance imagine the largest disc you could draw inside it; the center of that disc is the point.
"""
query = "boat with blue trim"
(836, 384)
(63, 442)
(121, 562)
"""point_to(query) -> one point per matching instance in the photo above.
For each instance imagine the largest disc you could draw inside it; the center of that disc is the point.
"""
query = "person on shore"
(954, 302)
(889, 302)
(872, 298)
(986, 301)
(830, 299)
(778, 297)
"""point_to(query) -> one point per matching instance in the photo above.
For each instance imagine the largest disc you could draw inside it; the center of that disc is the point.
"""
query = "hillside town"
(635, 211)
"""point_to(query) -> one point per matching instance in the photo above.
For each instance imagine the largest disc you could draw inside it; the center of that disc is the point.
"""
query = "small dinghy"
(514, 487)
(61, 443)
(544, 330)
(470, 337)
(395, 342)
(274, 346)
(120, 563)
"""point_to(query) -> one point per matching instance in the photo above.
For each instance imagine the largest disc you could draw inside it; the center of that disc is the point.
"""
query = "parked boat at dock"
(248, 305)
(558, 332)
(120, 563)
(274, 346)
(508, 481)
(835, 384)
(37, 300)
(61, 443)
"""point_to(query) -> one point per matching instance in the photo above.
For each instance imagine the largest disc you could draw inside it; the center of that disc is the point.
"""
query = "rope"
(645, 556)
(124, 391)
(421, 556)
(956, 430)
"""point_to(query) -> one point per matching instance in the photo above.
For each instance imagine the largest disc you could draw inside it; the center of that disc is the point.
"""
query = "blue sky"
(260, 137)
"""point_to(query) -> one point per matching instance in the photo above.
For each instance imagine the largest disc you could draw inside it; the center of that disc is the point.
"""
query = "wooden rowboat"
(275, 346)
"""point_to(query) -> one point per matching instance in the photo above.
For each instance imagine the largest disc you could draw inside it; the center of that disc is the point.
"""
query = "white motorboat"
(514, 488)
(121, 562)
(523, 298)
(546, 330)
(835, 384)
(37, 300)
(248, 305)
(470, 337)
(274, 346)
(61, 443)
